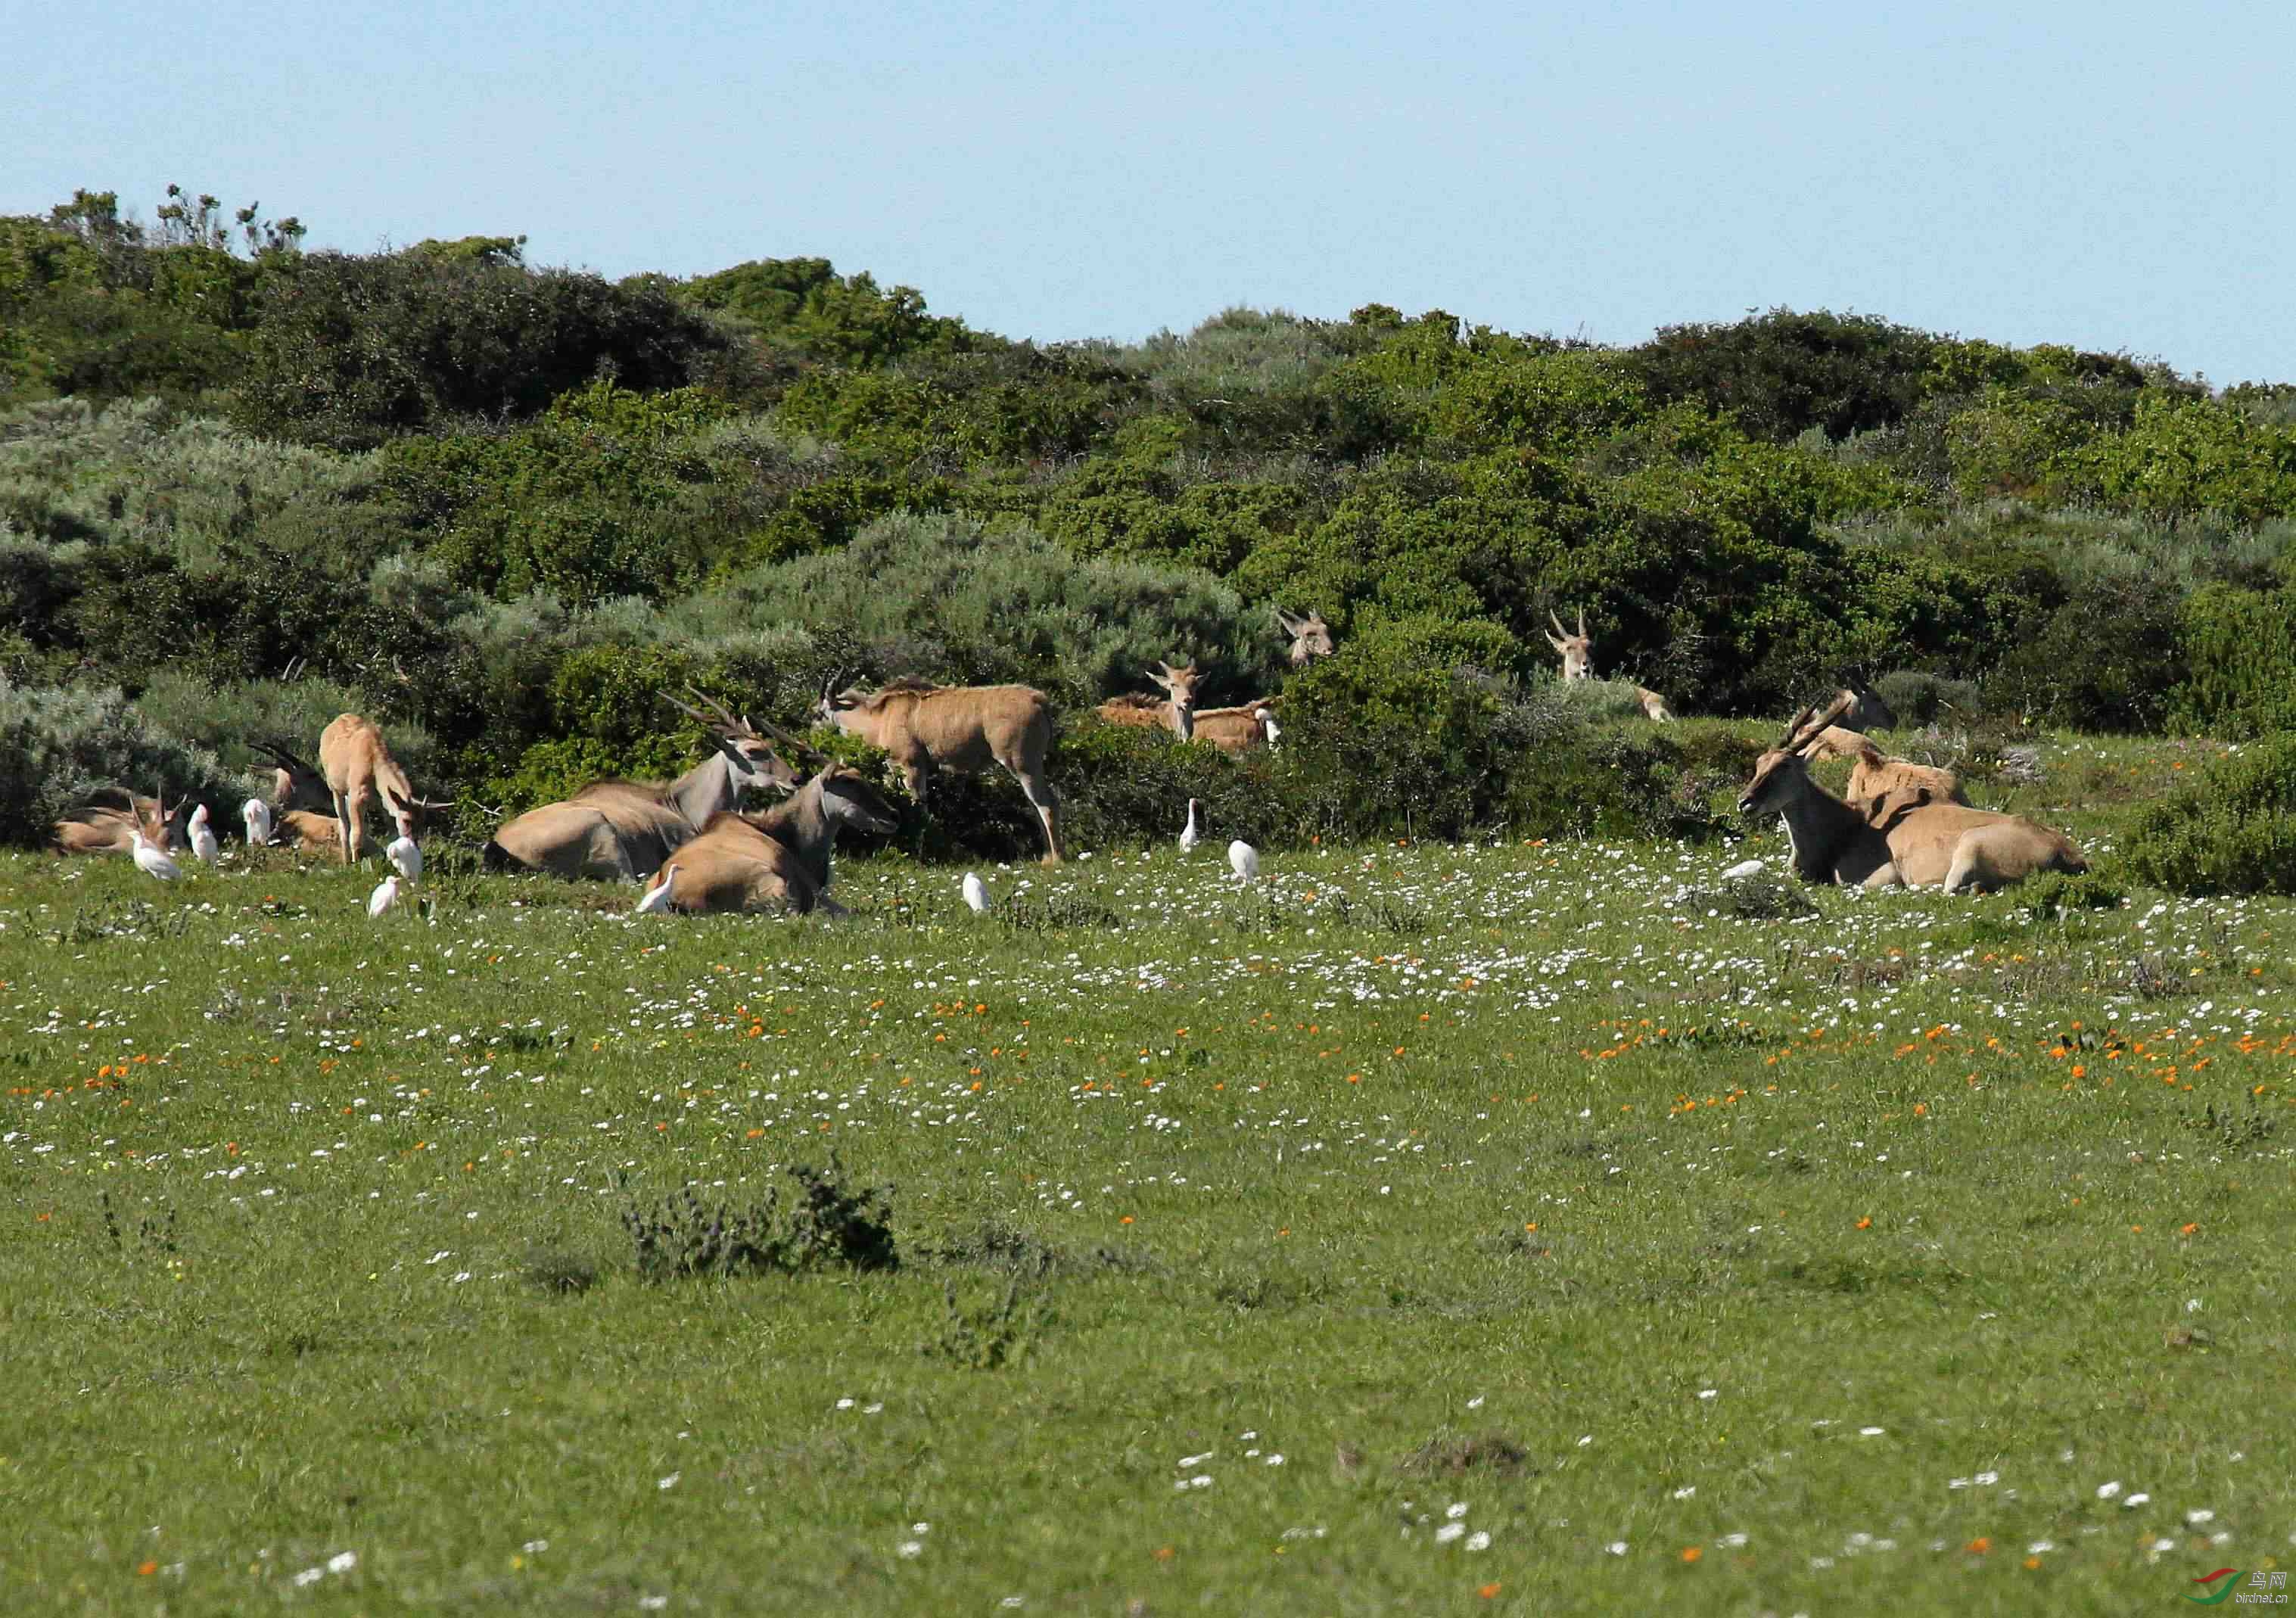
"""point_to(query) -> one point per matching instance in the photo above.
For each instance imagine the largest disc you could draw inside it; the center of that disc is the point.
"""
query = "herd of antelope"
(696, 848)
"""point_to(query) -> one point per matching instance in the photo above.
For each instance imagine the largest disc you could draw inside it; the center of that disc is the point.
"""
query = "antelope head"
(1180, 685)
(746, 749)
(1311, 636)
(1782, 773)
(1577, 650)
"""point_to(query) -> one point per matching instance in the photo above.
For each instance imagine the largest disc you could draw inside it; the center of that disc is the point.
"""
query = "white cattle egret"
(203, 838)
(152, 860)
(1268, 727)
(976, 894)
(385, 895)
(1244, 860)
(255, 814)
(1189, 835)
(405, 856)
(1744, 867)
(656, 899)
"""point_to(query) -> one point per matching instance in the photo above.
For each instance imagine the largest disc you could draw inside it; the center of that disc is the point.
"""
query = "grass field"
(1528, 1227)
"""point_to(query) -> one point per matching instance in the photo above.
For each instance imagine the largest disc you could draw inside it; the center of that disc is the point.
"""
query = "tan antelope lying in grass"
(1241, 729)
(622, 831)
(961, 728)
(356, 760)
(1176, 711)
(1310, 637)
(109, 826)
(1873, 774)
(1578, 653)
(779, 859)
(1909, 839)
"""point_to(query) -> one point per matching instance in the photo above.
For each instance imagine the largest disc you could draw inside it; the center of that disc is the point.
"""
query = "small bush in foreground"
(833, 1224)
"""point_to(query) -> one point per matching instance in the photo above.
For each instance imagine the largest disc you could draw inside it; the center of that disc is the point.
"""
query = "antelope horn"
(1582, 623)
(1557, 622)
(798, 744)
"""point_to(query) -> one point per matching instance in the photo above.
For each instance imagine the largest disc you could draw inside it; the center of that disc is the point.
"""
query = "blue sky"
(2113, 176)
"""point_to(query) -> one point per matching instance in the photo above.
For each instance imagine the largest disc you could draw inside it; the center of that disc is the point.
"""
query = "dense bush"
(349, 350)
(58, 749)
(2232, 832)
(949, 599)
(2107, 657)
(1783, 373)
(2239, 652)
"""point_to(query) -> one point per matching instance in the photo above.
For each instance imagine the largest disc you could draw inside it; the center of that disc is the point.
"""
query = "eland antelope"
(1910, 838)
(961, 728)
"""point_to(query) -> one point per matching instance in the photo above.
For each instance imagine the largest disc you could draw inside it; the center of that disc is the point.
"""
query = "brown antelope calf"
(354, 760)
(961, 728)
(1176, 711)
(1908, 838)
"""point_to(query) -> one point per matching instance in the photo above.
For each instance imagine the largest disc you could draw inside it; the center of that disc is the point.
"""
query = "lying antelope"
(1578, 653)
(1873, 774)
(1909, 839)
(1176, 711)
(1866, 710)
(961, 728)
(1310, 637)
(110, 828)
(623, 831)
(1241, 729)
(779, 859)
(356, 760)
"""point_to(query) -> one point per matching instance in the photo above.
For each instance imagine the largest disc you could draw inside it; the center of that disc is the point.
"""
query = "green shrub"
(59, 748)
(2107, 659)
(2239, 662)
(1918, 698)
(1786, 372)
(2233, 831)
(947, 599)
(1124, 786)
(348, 350)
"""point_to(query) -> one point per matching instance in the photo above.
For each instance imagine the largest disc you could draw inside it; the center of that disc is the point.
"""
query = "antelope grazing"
(623, 831)
(356, 760)
(961, 728)
(1310, 637)
(1578, 653)
(1176, 710)
(1873, 774)
(1910, 839)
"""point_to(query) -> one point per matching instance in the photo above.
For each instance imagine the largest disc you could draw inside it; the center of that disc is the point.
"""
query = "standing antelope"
(1909, 838)
(960, 729)
(1178, 710)
(622, 831)
(356, 760)
(1311, 636)
(1578, 653)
